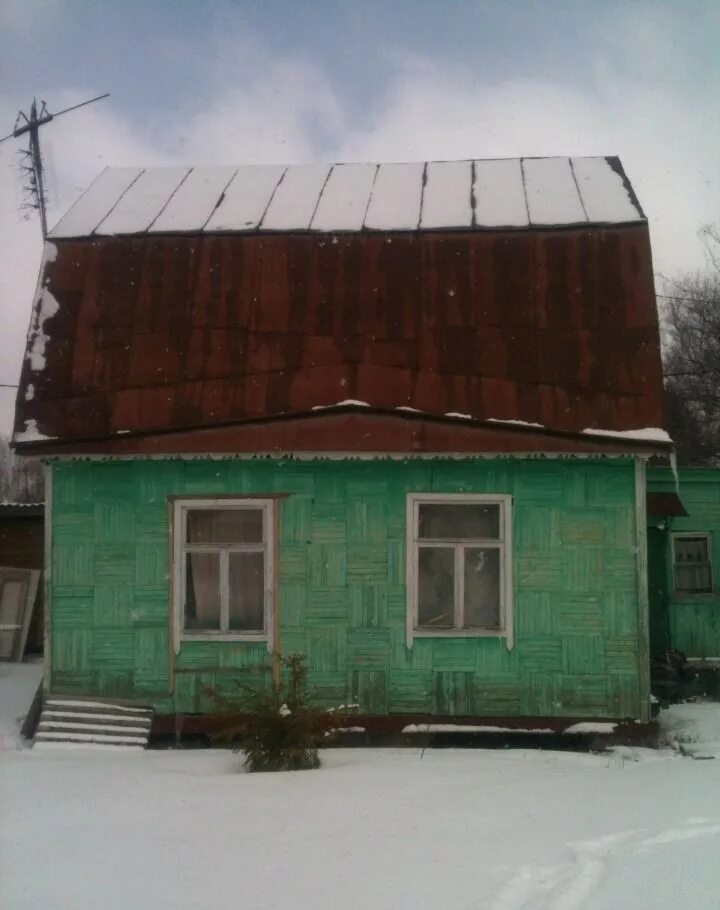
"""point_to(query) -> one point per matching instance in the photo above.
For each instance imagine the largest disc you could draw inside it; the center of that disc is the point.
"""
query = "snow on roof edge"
(554, 199)
(644, 434)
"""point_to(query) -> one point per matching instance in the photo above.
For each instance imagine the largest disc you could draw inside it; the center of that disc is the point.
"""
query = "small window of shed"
(692, 564)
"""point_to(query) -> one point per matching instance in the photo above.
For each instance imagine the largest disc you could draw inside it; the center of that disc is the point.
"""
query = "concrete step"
(97, 717)
(100, 705)
(82, 722)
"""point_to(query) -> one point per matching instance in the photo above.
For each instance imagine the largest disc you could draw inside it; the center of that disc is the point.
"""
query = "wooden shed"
(22, 546)
(391, 417)
(684, 560)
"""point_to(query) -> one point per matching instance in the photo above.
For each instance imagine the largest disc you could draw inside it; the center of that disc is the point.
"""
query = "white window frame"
(181, 507)
(502, 543)
(684, 535)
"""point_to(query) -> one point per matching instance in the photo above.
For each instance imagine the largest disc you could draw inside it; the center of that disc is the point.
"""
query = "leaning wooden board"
(18, 590)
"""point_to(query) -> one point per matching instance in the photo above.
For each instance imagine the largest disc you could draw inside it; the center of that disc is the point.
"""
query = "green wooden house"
(683, 556)
(394, 418)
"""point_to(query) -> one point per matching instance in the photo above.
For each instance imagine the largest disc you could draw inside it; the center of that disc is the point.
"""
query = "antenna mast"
(31, 125)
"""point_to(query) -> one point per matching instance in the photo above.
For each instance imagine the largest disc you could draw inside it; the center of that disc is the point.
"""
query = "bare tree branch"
(692, 358)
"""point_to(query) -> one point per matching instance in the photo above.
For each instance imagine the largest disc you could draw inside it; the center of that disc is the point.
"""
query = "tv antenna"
(33, 165)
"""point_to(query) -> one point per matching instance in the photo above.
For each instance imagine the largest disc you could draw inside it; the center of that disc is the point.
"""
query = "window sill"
(460, 633)
(688, 596)
(224, 636)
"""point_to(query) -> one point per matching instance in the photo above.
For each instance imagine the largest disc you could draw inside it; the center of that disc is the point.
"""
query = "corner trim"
(642, 589)
(47, 577)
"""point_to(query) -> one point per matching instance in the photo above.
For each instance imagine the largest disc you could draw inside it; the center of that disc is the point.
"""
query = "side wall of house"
(694, 619)
(342, 595)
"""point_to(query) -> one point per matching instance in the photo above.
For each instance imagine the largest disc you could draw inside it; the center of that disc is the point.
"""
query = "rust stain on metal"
(170, 334)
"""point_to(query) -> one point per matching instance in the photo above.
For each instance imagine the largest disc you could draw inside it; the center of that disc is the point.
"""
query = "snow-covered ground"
(18, 684)
(381, 829)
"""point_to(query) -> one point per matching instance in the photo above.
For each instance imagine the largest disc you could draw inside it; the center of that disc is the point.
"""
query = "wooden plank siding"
(341, 594)
(694, 619)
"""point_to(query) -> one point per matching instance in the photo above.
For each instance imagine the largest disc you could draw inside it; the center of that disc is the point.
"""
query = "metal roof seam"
(423, 184)
(577, 187)
(219, 202)
(269, 202)
(320, 195)
(77, 202)
(169, 200)
(473, 195)
(370, 195)
(524, 186)
(118, 201)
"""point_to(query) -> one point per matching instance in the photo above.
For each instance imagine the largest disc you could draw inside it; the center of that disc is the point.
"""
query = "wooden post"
(642, 588)
(47, 580)
(276, 597)
(171, 592)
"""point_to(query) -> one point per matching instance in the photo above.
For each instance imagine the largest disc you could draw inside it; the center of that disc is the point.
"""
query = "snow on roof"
(447, 200)
(344, 198)
(551, 192)
(493, 193)
(136, 211)
(245, 199)
(500, 194)
(296, 197)
(396, 198)
(193, 202)
(643, 434)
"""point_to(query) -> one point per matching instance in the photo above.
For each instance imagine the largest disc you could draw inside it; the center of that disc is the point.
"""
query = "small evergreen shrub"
(282, 731)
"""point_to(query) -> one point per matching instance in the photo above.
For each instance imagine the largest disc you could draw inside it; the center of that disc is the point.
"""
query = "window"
(223, 567)
(692, 563)
(459, 565)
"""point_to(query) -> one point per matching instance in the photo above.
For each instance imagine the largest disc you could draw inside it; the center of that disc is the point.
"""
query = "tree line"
(690, 321)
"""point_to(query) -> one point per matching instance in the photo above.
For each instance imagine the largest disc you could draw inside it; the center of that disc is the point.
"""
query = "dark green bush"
(281, 730)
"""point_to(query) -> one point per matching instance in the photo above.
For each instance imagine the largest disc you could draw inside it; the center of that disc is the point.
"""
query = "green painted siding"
(694, 620)
(342, 586)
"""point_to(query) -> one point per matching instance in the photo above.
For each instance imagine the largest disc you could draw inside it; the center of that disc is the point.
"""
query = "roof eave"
(600, 442)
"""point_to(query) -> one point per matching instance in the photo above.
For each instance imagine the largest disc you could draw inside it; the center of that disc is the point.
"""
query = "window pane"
(436, 587)
(202, 591)
(691, 549)
(225, 526)
(694, 578)
(482, 588)
(247, 592)
(466, 521)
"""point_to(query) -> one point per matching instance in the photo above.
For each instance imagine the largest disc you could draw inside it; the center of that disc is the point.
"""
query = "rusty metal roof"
(539, 332)
(518, 193)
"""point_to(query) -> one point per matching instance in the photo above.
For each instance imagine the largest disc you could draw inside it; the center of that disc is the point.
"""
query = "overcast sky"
(283, 81)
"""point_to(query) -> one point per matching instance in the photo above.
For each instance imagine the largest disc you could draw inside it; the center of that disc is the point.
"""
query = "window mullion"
(224, 591)
(458, 617)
